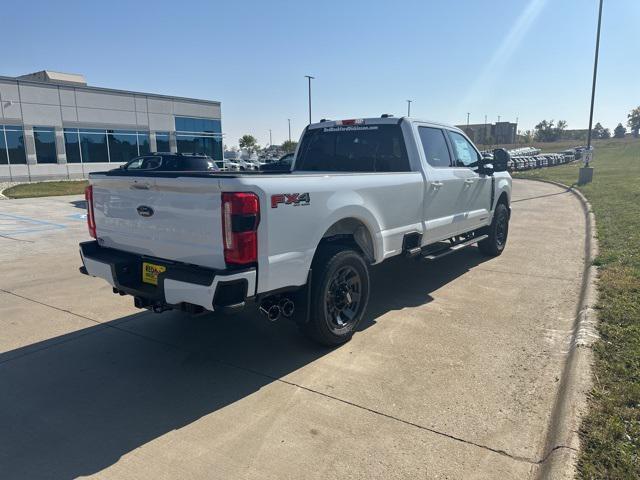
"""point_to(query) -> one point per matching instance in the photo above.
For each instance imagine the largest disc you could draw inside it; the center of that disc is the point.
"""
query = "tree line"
(550, 130)
(250, 144)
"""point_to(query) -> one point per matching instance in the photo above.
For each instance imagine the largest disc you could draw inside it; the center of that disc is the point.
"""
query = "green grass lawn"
(46, 189)
(611, 430)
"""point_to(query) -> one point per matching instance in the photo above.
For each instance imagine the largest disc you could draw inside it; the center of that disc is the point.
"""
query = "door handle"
(469, 181)
(140, 186)
(437, 184)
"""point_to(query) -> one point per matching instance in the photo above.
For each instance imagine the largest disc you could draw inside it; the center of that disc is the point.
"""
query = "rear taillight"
(91, 220)
(240, 218)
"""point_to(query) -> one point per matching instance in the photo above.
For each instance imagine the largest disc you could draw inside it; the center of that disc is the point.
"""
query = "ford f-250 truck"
(297, 244)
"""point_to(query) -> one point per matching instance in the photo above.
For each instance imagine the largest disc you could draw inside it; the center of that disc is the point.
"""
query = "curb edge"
(562, 441)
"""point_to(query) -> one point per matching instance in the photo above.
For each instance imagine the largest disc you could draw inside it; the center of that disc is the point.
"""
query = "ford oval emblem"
(145, 211)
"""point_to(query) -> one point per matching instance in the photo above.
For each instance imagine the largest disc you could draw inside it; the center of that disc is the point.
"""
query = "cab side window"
(464, 153)
(435, 146)
(144, 163)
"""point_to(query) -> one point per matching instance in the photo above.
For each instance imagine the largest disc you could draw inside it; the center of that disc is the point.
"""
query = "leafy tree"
(600, 132)
(560, 128)
(543, 130)
(249, 143)
(634, 120)
(548, 131)
(289, 146)
(619, 131)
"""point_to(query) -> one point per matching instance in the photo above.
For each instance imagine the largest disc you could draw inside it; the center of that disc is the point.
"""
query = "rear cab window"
(353, 148)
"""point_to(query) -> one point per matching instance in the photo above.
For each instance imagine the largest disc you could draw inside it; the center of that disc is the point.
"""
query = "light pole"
(289, 121)
(309, 77)
(409, 107)
(270, 142)
(586, 173)
(468, 114)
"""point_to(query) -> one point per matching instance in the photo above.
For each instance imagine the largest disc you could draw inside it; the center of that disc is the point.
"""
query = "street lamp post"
(468, 114)
(289, 121)
(409, 107)
(270, 142)
(586, 172)
(309, 77)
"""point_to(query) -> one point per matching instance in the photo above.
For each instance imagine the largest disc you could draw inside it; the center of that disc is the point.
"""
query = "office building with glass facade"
(52, 125)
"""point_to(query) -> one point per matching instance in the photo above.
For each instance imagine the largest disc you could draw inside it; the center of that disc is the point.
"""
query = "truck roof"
(385, 119)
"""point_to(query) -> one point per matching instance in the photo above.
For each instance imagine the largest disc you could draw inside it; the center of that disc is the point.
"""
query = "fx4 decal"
(295, 199)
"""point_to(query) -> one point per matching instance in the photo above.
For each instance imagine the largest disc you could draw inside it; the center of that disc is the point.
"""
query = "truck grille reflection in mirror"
(145, 211)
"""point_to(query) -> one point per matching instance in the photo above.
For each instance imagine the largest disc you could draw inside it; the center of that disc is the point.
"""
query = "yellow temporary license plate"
(150, 272)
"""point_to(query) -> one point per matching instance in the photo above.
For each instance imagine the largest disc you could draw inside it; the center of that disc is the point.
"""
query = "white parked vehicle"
(231, 165)
(298, 243)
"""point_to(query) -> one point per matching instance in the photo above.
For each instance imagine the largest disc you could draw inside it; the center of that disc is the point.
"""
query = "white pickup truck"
(297, 244)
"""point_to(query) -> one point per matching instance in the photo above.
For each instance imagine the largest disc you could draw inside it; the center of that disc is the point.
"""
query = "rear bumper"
(179, 284)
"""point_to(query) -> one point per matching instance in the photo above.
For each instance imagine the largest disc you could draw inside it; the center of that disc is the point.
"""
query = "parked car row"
(528, 162)
(576, 152)
(528, 158)
(200, 162)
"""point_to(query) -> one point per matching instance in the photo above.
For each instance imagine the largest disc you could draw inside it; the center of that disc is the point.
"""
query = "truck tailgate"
(176, 219)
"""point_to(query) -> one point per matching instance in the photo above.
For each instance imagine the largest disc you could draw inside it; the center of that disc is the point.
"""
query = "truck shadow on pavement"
(75, 404)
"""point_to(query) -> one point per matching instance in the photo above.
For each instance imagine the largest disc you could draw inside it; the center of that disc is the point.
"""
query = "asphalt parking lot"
(454, 373)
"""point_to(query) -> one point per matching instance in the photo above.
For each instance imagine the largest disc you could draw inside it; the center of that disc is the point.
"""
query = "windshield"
(359, 148)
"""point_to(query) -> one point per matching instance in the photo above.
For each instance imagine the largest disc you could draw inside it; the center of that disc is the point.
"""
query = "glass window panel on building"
(199, 135)
(45, 139)
(72, 145)
(212, 126)
(93, 145)
(123, 145)
(217, 148)
(195, 144)
(186, 124)
(4, 159)
(15, 144)
(195, 125)
(162, 142)
(144, 145)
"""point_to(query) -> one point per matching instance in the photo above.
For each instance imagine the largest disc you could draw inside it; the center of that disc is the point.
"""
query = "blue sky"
(526, 59)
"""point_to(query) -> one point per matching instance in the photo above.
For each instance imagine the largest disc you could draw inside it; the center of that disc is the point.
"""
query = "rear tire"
(497, 231)
(339, 295)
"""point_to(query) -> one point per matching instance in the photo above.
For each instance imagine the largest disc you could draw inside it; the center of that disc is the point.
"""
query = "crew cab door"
(444, 200)
(475, 198)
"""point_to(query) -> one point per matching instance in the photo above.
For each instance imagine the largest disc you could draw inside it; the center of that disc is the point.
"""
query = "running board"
(458, 246)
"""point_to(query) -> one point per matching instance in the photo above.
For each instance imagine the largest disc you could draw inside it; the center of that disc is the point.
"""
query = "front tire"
(498, 232)
(339, 295)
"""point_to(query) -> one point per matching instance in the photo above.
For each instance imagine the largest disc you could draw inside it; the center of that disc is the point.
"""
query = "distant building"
(499, 133)
(52, 125)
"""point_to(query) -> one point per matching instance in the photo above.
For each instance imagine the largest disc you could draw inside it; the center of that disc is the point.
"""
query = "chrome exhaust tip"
(287, 307)
(272, 311)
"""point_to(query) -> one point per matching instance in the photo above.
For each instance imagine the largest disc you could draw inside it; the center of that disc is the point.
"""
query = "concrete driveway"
(453, 375)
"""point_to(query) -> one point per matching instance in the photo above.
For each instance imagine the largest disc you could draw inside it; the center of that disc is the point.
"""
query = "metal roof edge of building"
(108, 90)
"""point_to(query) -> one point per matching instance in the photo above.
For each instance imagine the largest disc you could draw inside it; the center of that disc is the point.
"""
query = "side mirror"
(486, 165)
(487, 169)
